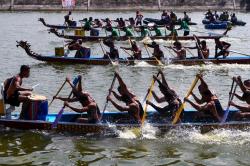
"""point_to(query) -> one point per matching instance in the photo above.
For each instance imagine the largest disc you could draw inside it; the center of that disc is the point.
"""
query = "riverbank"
(126, 5)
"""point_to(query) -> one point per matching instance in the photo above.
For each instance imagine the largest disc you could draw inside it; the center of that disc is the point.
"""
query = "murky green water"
(220, 147)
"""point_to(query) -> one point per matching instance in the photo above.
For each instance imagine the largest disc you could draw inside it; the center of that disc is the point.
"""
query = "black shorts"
(14, 99)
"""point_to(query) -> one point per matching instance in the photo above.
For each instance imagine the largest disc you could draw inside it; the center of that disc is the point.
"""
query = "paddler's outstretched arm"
(163, 79)
(84, 109)
(66, 99)
(118, 97)
(240, 83)
(241, 108)
(157, 98)
(117, 106)
(199, 101)
(203, 83)
(197, 106)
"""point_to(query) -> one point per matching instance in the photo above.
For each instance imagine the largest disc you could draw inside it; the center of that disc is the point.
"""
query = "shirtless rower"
(222, 46)
(212, 107)
(135, 49)
(14, 93)
(169, 96)
(204, 49)
(133, 106)
(158, 53)
(88, 103)
(245, 88)
(179, 50)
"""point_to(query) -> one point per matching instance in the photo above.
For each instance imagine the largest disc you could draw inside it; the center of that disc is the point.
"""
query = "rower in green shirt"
(173, 31)
(114, 33)
(144, 31)
(88, 23)
(127, 31)
(157, 31)
(185, 27)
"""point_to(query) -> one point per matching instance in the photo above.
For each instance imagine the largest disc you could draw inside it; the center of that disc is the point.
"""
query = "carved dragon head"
(23, 44)
(42, 20)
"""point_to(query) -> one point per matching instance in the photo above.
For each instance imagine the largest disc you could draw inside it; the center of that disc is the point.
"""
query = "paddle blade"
(178, 113)
(58, 117)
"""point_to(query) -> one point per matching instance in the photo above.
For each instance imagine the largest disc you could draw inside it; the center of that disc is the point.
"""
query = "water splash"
(218, 136)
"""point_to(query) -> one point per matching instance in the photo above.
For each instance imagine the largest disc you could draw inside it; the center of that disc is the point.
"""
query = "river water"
(189, 147)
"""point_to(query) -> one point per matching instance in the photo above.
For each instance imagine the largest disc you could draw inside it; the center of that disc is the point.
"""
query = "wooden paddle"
(148, 96)
(59, 115)
(110, 90)
(199, 47)
(178, 113)
(59, 90)
(231, 96)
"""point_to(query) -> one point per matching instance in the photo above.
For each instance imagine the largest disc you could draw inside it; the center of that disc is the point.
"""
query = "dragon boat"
(113, 121)
(101, 61)
(124, 38)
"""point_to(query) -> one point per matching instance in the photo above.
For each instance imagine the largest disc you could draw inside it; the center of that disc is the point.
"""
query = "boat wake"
(219, 136)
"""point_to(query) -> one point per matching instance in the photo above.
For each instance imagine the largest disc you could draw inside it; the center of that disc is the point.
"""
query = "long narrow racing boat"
(120, 121)
(124, 38)
(151, 61)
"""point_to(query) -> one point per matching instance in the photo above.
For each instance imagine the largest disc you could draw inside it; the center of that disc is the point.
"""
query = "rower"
(108, 25)
(135, 49)
(186, 17)
(114, 33)
(133, 106)
(173, 17)
(222, 46)
(131, 22)
(165, 17)
(184, 26)
(97, 23)
(233, 18)
(158, 53)
(127, 31)
(88, 103)
(14, 93)
(169, 96)
(245, 88)
(88, 24)
(113, 51)
(204, 49)
(68, 20)
(157, 31)
(138, 18)
(122, 23)
(179, 50)
(216, 16)
(81, 51)
(212, 108)
(208, 14)
(172, 30)
(144, 31)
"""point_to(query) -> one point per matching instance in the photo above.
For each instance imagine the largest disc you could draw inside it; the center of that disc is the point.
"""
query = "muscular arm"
(239, 97)
(242, 108)
(119, 107)
(158, 99)
(199, 101)
(17, 84)
(84, 109)
(118, 97)
(67, 99)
